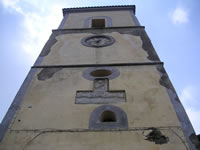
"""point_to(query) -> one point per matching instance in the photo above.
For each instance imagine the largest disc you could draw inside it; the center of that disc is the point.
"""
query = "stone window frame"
(95, 118)
(88, 21)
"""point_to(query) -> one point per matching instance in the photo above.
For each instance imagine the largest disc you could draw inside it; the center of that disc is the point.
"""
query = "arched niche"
(108, 117)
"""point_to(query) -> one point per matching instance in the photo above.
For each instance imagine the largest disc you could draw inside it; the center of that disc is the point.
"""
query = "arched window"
(108, 117)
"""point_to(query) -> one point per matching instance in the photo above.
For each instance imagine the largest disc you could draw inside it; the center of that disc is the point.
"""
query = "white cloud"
(39, 20)
(179, 16)
(188, 94)
(11, 4)
(194, 115)
(38, 29)
(190, 102)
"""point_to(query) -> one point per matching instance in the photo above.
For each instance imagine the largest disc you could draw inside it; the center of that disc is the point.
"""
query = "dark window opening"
(108, 116)
(98, 23)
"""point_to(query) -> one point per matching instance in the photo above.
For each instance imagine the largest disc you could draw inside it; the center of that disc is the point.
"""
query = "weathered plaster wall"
(50, 103)
(86, 140)
(48, 113)
(69, 50)
(77, 20)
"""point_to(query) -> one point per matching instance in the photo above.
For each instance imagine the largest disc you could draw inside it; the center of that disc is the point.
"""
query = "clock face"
(98, 41)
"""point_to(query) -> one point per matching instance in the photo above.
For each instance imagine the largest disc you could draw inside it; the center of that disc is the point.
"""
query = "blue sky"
(173, 27)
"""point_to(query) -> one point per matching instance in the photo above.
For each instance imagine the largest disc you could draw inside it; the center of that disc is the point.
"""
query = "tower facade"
(97, 84)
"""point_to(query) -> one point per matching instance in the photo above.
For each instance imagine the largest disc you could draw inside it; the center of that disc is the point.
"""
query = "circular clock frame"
(98, 41)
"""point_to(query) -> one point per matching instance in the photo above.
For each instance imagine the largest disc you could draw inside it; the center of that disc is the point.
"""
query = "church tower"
(98, 84)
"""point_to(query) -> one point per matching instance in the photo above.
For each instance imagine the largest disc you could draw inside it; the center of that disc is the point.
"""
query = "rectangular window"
(98, 23)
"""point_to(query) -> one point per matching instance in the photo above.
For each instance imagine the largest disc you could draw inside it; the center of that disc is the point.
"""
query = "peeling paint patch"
(164, 78)
(146, 43)
(47, 73)
(181, 114)
(195, 140)
(47, 47)
(154, 135)
(164, 81)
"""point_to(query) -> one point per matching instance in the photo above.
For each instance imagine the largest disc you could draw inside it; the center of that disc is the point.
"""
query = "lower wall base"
(169, 138)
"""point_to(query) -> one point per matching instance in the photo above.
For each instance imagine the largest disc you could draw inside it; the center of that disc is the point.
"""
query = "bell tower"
(97, 84)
